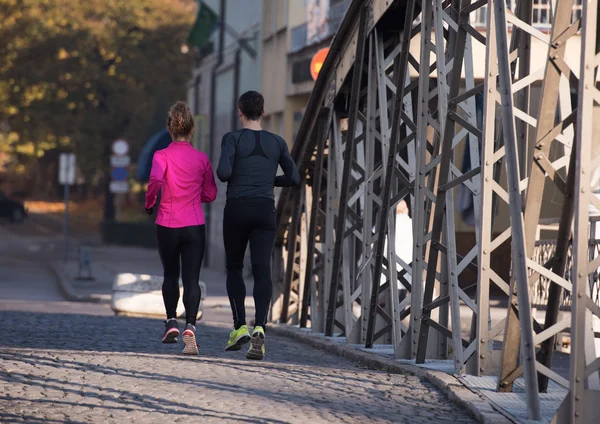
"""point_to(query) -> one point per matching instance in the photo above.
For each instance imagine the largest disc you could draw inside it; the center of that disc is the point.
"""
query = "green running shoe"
(238, 338)
(257, 344)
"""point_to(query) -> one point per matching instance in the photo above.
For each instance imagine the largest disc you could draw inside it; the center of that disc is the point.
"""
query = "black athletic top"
(249, 162)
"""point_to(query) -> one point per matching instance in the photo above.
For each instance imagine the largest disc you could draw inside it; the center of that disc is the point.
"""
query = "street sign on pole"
(66, 177)
(120, 161)
(119, 174)
(120, 148)
(66, 169)
(119, 187)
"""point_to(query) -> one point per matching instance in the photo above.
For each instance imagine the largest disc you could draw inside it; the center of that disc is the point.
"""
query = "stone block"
(141, 294)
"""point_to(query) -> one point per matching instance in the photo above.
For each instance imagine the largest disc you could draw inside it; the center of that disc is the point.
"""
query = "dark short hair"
(252, 105)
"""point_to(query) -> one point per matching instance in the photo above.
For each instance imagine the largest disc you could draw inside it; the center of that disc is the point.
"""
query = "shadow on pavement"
(114, 363)
(131, 336)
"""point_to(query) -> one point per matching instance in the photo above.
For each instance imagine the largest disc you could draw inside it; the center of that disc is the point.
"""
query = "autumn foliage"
(77, 74)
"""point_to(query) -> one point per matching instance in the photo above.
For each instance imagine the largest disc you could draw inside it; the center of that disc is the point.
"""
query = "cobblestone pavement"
(86, 366)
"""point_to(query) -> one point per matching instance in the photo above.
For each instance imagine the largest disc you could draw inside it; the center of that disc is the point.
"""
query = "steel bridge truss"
(392, 113)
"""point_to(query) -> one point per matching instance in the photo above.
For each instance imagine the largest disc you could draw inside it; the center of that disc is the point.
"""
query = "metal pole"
(118, 212)
(516, 219)
(66, 223)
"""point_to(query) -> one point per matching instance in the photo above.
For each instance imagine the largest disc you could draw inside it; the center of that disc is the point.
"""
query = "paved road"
(74, 362)
(82, 367)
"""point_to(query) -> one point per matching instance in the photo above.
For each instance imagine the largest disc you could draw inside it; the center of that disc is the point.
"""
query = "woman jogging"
(249, 160)
(187, 180)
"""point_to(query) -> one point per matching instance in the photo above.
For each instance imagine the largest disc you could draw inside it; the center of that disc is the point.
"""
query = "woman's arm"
(209, 187)
(227, 159)
(157, 177)
(291, 176)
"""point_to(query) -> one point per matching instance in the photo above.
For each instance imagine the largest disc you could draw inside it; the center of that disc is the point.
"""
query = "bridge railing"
(391, 116)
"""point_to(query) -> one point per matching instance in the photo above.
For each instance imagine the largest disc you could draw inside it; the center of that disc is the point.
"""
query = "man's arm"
(227, 159)
(291, 176)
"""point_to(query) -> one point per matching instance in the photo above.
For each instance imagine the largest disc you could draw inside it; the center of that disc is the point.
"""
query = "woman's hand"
(149, 211)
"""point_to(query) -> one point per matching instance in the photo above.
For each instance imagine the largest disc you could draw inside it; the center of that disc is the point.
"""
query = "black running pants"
(181, 251)
(249, 220)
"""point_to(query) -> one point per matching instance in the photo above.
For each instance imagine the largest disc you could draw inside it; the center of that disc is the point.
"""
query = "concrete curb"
(474, 403)
(66, 286)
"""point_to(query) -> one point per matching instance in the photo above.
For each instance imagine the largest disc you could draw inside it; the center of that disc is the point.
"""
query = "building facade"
(233, 66)
(293, 32)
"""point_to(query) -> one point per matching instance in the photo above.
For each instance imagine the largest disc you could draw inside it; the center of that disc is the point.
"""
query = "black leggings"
(186, 246)
(249, 220)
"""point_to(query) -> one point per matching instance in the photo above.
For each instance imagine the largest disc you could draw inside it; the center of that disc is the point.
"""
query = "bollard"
(85, 267)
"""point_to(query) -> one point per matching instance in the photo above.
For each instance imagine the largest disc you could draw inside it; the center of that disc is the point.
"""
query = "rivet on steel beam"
(482, 356)
(485, 252)
(577, 398)
(576, 414)
(482, 369)
(580, 295)
(482, 341)
(580, 274)
(578, 380)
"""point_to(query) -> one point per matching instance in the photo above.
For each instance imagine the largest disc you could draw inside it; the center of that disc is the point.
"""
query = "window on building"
(301, 71)
(541, 13)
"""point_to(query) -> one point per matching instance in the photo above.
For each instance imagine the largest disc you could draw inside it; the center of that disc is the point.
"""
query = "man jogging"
(248, 163)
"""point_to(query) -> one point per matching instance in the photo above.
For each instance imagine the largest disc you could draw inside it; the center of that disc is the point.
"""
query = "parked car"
(12, 209)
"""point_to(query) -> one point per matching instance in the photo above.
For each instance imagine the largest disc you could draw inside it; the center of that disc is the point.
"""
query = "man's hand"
(149, 211)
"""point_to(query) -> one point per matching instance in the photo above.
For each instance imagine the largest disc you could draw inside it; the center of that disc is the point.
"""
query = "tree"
(76, 75)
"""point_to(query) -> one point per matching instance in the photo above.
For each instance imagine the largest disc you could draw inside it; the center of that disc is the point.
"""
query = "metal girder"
(546, 133)
(383, 133)
(348, 165)
(458, 47)
(519, 259)
(314, 263)
(581, 404)
(401, 69)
